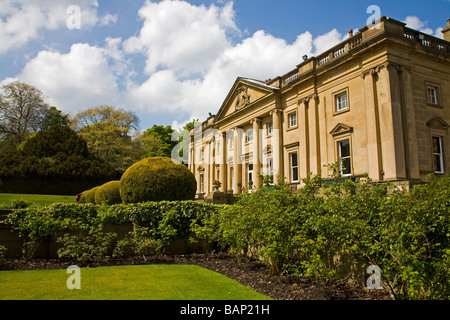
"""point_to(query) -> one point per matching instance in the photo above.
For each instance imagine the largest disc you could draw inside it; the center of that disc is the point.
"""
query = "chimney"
(446, 31)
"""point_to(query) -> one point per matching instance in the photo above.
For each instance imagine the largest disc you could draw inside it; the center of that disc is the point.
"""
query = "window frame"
(269, 129)
(202, 183)
(292, 167)
(336, 96)
(249, 134)
(292, 115)
(440, 154)
(435, 90)
(341, 158)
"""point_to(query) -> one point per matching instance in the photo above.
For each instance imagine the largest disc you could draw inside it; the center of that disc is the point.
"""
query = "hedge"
(79, 228)
(108, 193)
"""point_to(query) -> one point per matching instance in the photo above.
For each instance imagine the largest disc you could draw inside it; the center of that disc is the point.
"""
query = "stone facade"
(379, 102)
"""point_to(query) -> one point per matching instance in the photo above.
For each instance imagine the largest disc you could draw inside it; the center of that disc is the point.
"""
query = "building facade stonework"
(378, 103)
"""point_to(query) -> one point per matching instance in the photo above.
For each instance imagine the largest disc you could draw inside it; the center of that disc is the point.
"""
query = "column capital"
(275, 111)
(256, 120)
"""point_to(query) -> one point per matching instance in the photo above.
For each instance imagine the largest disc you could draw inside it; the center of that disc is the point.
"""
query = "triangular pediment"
(341, 129)
(438, 123)
(244, 93)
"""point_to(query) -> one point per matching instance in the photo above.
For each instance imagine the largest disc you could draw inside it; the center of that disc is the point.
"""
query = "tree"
(22, 111)
(55, 118)
(56, 140)
(108, 132)
(54, 161)
(158, 141)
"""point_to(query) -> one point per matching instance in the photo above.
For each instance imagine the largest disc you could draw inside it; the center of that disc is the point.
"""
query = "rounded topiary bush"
(108, 193)
(89, 196)
(157, 179)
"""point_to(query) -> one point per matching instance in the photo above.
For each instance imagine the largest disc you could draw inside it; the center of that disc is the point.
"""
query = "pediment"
(244, 93)
(341, 129)
(437, 123)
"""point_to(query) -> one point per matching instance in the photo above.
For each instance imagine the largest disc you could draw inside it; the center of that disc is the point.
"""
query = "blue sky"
(171, 61)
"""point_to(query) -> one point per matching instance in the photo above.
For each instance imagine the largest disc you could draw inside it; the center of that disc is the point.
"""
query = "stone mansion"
(378, 102)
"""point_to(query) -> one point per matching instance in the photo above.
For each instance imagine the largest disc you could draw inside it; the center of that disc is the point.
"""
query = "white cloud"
(74, 81)
(180, 36)
(24, 20)
(416, 23)
(192, 62)
(327, 41)
(108, 19)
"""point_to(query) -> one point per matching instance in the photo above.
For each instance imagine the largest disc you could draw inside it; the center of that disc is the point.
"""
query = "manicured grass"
(149, 282)
(6, 199)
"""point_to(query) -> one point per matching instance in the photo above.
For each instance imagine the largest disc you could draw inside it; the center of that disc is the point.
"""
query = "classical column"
(223, 163)
(373, 127)
(303, 123)
(277, 145)
(314, 152)
(212, 164)
(391, 124)
(237, 161)
(408, 106)
(256, 152)
(207, 173)
(323, 136)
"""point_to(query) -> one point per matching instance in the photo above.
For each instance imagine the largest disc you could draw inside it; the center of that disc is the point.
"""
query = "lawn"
(7, 199)
(149, 282)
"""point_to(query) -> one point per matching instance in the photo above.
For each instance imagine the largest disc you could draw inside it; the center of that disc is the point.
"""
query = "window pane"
(249, 136)
(292, 120)
(346, 166)
(437, 163)
(436, 145)
(345, 148)
(432, 95)
(294, 167)
(294, 160)
(295, 174)
(270, 165)
(341, 102)
(270, 128)
(344, 154)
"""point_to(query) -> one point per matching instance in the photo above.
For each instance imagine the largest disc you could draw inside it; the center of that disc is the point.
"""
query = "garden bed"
(252, 274)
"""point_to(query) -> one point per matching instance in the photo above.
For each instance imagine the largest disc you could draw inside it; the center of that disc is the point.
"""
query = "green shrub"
(155, 225)
(346, 227)
(88, 196)
(157, 179)
(19, 204)
(108, 193)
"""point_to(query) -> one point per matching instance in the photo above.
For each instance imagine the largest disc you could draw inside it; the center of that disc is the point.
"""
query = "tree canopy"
(58, 157)
(108, 132)
(22, 111)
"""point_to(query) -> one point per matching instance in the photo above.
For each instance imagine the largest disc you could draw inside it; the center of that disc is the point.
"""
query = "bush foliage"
(56, 159)
(108, 193)
(157, 179)
(88, 196)
(349, 224)
(79, 228)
